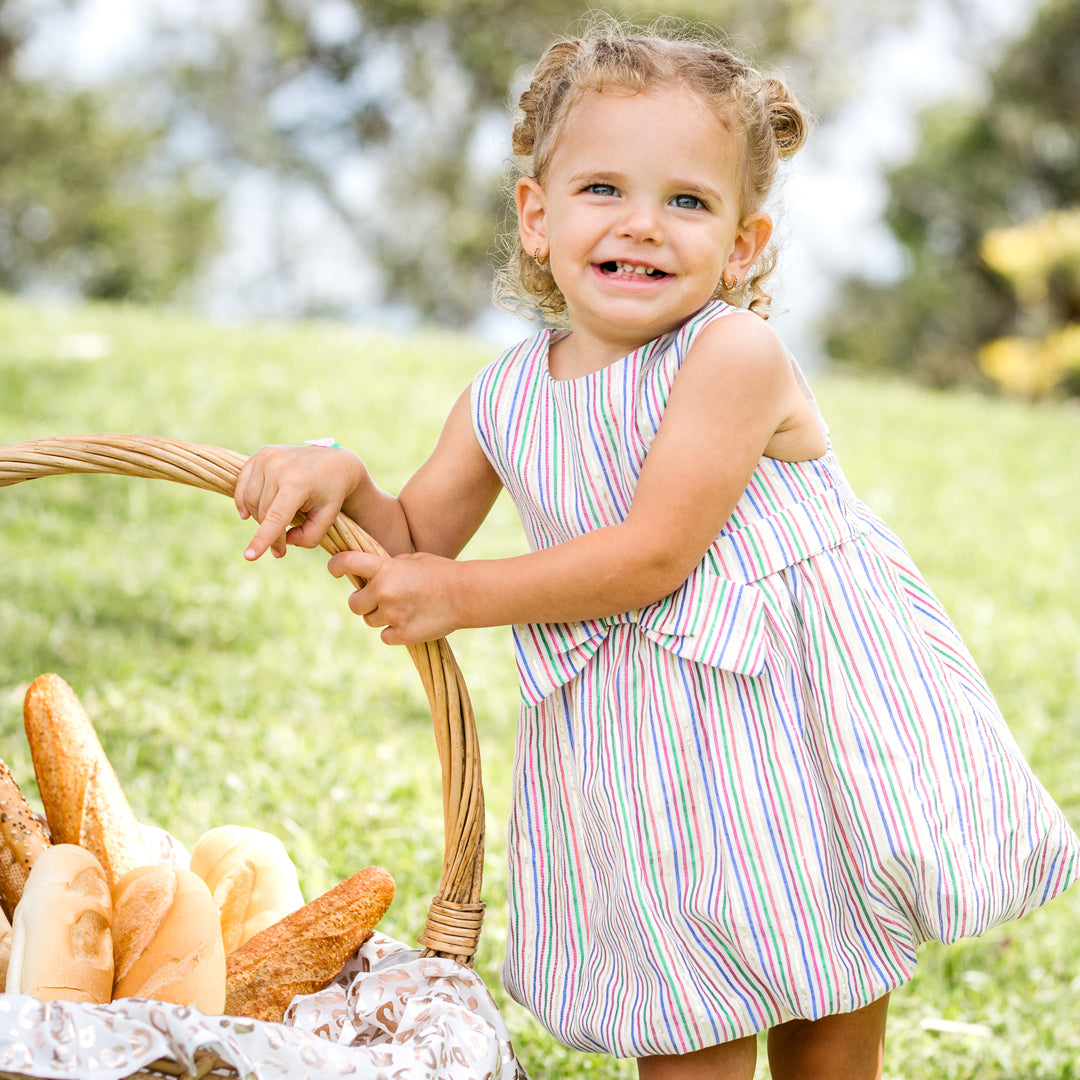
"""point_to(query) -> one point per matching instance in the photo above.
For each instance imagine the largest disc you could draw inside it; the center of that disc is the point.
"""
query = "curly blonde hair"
(612, 56)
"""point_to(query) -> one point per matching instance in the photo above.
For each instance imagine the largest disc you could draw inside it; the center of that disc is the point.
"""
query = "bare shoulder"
(745, 358)
(741, 338)
(741, 342)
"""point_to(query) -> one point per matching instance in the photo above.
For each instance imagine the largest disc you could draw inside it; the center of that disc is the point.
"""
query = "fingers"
(315, 526)
(255, 496)
(277, 529)
(240, 491)
(279, 483)
(358, 564)
(362, 568)
(251, 484)
(395, 593)
(270, 534)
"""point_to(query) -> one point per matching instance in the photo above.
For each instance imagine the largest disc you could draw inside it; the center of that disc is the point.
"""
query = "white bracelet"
(326, 440)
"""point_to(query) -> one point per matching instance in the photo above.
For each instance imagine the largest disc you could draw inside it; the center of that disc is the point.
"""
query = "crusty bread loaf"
(167, 939)
(5, 948)
(22, 840)
(251, 877)
(306, 950)
(83, 800)
(61, 944)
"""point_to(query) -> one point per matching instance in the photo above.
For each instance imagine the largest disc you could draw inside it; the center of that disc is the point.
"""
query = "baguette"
(305, 951)
(61, 940)
(22, 840)
(84, 803)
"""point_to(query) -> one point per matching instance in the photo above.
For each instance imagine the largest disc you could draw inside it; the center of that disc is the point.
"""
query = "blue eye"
(602, 189)
(687, 202)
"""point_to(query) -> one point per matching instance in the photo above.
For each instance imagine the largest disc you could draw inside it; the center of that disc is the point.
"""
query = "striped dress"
(752, 799)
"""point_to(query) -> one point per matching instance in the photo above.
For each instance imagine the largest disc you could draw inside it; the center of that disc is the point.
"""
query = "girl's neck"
(570, 356)
(574, 353)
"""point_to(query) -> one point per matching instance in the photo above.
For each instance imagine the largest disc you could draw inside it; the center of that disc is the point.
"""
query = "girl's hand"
(280, 481)
(410, 595)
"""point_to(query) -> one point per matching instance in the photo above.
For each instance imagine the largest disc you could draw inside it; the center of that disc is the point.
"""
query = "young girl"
(756, 766)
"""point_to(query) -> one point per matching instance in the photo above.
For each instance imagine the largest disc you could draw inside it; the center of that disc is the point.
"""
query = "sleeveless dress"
(754, 798)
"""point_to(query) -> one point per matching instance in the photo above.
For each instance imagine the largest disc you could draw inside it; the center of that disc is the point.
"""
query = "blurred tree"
(388, 115)
(78, 211)
(393, 112)
(1009, 160)
(85, 203)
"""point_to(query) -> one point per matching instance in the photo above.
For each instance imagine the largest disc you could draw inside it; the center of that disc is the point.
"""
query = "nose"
(642, 222)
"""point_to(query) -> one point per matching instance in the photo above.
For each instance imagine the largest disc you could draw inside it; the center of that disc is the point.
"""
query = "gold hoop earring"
(734, 282)
(537, 259)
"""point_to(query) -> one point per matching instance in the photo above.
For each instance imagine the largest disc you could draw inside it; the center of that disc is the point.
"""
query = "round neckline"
(550, 339)
(553, 334)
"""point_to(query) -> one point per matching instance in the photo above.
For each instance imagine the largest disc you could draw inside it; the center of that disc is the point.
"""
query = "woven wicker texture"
(455, 914)
(206, 1064)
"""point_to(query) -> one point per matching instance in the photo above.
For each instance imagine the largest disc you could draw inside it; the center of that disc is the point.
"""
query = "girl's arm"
(450, 495)
(735, 399)
(438, 510)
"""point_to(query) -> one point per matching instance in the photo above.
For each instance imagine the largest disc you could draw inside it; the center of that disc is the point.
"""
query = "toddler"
(756, 766)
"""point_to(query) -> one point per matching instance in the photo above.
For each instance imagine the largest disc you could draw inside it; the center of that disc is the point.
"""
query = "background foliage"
(978, 213)
(390, 116)
(89, 202)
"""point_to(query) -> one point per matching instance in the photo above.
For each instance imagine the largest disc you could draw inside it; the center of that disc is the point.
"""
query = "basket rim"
(456, 911)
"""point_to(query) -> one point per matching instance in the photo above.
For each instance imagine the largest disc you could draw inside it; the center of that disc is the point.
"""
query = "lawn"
(229, 692)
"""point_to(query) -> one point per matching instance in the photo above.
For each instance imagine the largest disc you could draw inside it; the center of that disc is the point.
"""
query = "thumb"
(356, 564)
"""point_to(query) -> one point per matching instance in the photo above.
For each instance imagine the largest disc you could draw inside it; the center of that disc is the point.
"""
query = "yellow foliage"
(1065, 345)
(1025, 254)
(1023, 367)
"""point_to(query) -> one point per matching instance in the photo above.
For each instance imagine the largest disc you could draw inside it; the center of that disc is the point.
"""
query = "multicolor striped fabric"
(751, 800)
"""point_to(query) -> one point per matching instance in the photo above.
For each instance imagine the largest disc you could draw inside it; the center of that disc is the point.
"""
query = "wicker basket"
(454, 916)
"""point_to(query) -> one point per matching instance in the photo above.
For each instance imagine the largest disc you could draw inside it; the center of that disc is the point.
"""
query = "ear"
(750, 241)
(530, 202)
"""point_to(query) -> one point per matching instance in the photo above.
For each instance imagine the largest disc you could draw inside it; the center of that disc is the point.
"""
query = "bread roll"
(61, 945)
(167, 939)
(83, 800)
(306, 950)
(5, 948)
(162, 847)
(22, 840)
(251, 877)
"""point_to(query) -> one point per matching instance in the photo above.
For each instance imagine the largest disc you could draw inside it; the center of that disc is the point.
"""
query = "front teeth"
(631, 268)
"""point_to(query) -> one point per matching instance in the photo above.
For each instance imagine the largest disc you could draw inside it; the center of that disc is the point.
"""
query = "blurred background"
(290, 159)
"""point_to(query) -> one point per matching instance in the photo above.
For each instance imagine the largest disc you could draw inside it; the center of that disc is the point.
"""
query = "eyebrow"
(596, 175)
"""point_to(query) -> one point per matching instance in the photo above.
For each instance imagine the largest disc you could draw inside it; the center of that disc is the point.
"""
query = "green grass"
(228, 692)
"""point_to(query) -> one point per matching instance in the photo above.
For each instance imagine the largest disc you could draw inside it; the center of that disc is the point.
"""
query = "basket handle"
(456, 912)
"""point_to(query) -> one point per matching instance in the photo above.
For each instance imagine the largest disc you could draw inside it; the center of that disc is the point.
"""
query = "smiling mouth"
(624, 269)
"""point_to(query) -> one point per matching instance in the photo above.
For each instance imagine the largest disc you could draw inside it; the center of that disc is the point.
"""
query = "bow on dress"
(717, 616)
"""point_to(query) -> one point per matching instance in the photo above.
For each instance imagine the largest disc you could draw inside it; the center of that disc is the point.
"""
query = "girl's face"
(639, 212)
